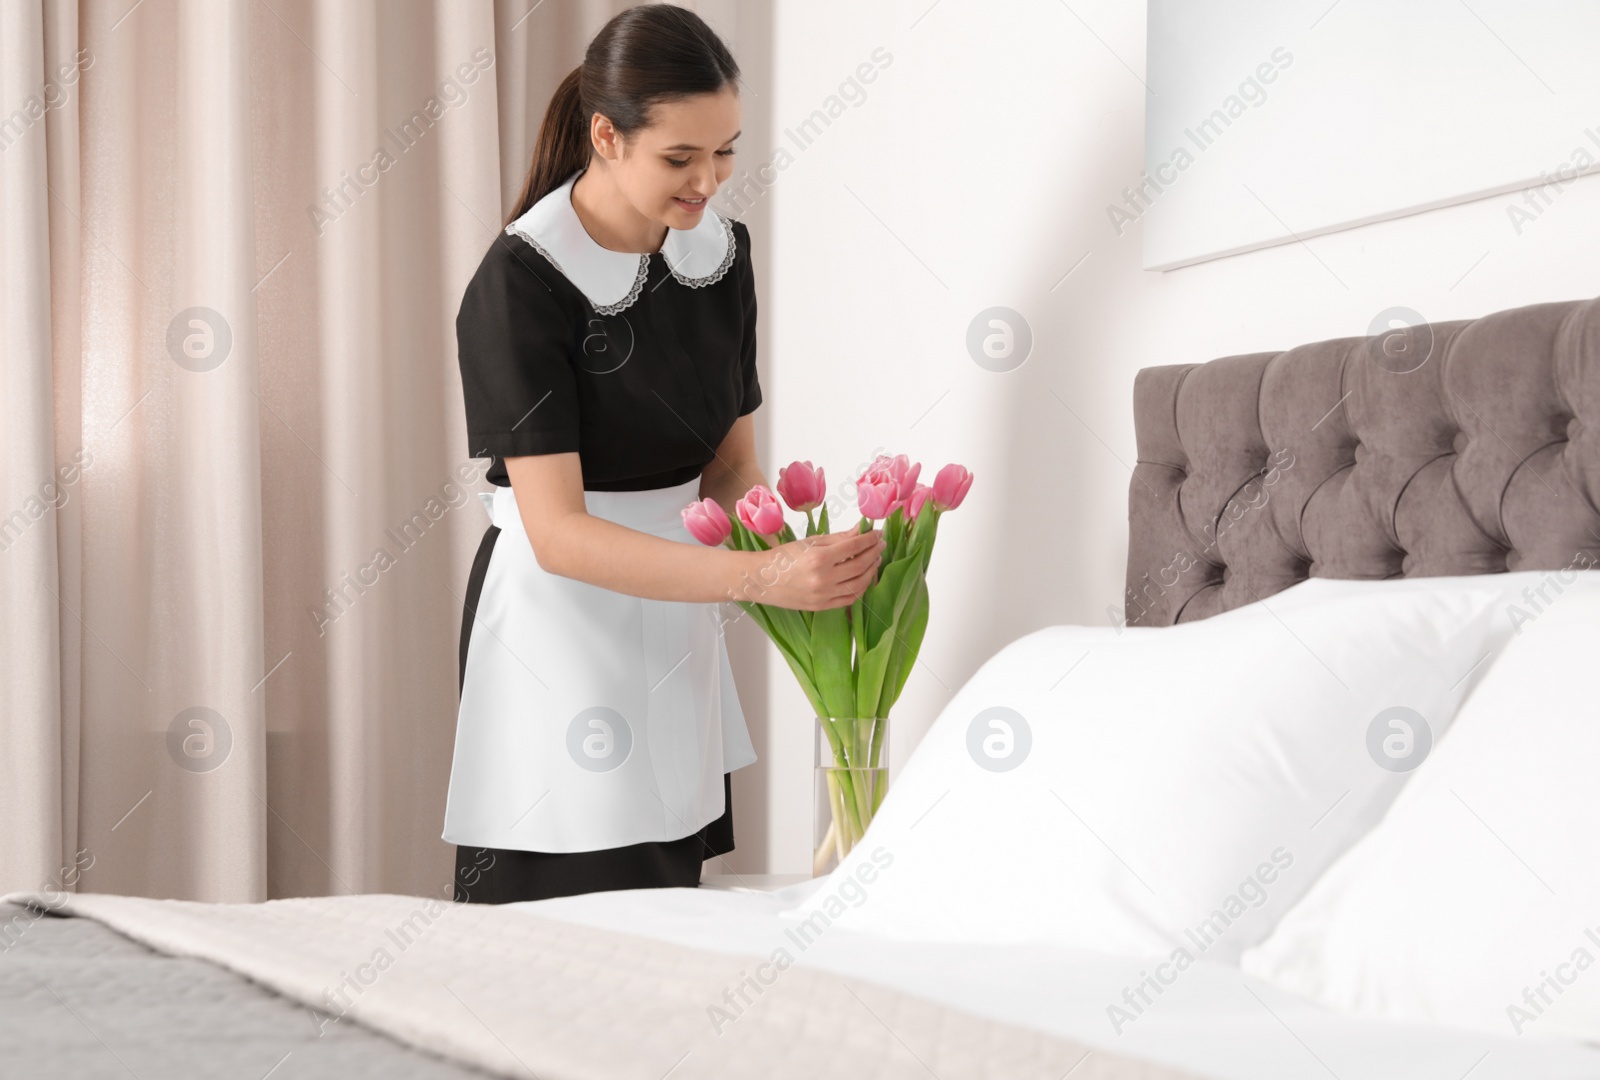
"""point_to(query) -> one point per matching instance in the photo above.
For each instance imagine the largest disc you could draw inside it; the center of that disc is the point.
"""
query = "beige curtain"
(235, 505)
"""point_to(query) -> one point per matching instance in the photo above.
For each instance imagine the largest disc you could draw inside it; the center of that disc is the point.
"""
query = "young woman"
(608, 360)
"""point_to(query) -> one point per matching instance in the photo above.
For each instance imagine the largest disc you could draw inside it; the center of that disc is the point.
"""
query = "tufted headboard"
(1468, 447)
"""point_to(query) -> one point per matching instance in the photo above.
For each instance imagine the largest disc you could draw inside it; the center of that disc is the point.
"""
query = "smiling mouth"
(690, 204)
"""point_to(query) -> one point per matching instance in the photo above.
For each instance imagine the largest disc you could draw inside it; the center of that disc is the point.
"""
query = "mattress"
(691, 982)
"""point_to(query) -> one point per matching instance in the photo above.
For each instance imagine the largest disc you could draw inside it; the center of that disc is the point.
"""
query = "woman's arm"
(735, 469)
(825, 572)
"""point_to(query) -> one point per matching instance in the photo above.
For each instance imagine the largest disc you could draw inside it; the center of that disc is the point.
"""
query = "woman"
(607, 349)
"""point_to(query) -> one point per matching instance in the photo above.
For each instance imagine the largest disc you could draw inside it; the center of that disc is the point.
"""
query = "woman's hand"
(814, 573)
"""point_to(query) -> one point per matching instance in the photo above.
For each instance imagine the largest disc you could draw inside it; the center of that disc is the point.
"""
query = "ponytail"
(563, 145)
(645, 55)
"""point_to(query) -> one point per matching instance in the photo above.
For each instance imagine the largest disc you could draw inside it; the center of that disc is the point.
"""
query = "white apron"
(589, 718)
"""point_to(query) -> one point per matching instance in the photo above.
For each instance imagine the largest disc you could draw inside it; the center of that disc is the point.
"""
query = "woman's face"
(670, 170)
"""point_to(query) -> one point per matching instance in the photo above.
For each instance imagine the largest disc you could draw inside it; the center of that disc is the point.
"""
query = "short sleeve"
(747, 348)
(514, 343)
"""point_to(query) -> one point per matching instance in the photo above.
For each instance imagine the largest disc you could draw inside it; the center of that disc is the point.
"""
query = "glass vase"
(851, 778)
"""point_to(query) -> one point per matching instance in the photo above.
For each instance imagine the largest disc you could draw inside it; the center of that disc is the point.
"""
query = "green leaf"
(789, 629)
(913, 623)
(806, 686)
(754, 611)
(925, 543)
(874, 664)
(822, 519)
(882, 608)
(748, 541)
(830, 649)
(894, 532)
(767, 616)
(883, 597)
(858, 642)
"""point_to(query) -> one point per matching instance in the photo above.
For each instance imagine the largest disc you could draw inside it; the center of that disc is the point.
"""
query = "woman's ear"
(605, 137)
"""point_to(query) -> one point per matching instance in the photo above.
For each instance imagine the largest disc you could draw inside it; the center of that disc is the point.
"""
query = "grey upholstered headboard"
(1467, 447)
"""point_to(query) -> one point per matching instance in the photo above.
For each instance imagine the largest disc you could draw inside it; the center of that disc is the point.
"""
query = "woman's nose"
(705, 181)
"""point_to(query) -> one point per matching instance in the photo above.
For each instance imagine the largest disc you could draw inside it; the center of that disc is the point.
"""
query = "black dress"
(644, 390)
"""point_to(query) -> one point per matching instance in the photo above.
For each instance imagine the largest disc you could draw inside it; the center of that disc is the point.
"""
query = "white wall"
(990, 148)
(1311, 117)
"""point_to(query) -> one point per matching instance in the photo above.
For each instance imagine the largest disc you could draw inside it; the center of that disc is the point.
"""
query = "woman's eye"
(679, 163)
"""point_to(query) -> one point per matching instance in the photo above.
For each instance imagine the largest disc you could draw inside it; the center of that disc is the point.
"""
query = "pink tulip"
(919, 495)
(707, 522)
(898, 470)
(877, 472)
(950, 486)
(905, 473)
(759, 511)
(801, 486)
(875, 500)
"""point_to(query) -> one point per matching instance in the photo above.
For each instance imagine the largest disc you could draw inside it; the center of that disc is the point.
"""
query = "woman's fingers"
(858, 544)
(856, 584)
(864, 564)
(847, 545)
(846, 564)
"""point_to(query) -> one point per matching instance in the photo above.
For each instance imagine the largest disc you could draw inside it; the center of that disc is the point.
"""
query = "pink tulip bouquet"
(851, 662)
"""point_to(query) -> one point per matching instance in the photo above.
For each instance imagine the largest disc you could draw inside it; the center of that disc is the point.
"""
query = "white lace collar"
(612, 280)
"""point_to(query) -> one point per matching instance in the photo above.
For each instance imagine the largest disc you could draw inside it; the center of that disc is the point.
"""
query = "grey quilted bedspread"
(79, 1000)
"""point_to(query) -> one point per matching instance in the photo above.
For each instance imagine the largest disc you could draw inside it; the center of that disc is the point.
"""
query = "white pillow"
(1476, 902)
(1184, 785)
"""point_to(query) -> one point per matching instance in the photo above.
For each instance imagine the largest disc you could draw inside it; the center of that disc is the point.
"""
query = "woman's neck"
(610, 219)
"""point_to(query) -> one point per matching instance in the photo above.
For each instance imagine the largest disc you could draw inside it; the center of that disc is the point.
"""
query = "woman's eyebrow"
(686, 146)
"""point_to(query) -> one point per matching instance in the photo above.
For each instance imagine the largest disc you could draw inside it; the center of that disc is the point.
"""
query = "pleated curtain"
(236, 509)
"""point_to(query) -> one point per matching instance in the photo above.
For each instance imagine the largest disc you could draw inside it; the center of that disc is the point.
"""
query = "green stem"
(832, 836)
(850, 822)
(879, 726)
(864, 777)
(841, 834)
(819, 858)
(834, 742)
(847, 814)
(849, 744)
(863, 805)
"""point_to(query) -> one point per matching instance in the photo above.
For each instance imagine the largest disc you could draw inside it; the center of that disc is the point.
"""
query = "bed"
(1217, 837)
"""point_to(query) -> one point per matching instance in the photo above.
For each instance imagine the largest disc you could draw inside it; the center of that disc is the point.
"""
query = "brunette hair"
(645, 55)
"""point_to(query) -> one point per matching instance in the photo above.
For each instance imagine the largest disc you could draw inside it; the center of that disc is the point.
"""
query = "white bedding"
(1476, 902)
(1170, 793)
(1213, 1021)
(582, 1002)
(505, 990)
(478, 987)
